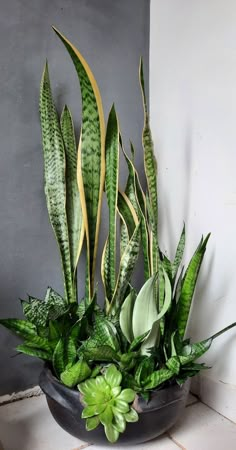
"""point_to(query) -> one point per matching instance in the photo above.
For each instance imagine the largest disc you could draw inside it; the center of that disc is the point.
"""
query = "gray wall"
(112, 36)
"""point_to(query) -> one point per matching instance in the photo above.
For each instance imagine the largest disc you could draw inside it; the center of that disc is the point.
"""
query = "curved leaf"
(188, 286)
(73, 205)
(91, 156)
(179, 254)
(111, 186)
(54, 178)
(126, 314)
(127, 265)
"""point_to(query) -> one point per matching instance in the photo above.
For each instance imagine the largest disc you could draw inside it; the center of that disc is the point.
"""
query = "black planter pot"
(155, 417)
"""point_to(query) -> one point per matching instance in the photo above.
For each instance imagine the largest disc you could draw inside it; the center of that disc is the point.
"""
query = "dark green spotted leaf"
(54, 178)
(188, 286)
(23, 328)
(91, 156)
(64, 354)
(37, 353)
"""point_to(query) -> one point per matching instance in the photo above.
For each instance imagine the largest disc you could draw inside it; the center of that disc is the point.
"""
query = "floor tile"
(201, 428)
(28, 425)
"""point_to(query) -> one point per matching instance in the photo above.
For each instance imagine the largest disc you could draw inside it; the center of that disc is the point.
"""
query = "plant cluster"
(135, 342)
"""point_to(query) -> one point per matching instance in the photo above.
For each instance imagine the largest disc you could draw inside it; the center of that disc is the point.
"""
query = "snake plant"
(127, 343)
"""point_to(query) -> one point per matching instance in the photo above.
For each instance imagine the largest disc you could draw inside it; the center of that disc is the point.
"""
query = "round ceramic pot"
(155, 416)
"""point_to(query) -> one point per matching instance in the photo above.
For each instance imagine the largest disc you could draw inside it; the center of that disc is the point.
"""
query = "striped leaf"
(127, 264)
(54, 178)
(91, 156)
(73, 204)
(111, 186)
(188, 286)
(37, 353)
(127, 211)
(158, 377)
(64, 354)
(134, 193)
(23, 328)
(179, 254)
(150, 167)
(124, 234)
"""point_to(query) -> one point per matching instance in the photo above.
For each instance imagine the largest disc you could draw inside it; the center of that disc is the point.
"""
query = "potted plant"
(117, 367)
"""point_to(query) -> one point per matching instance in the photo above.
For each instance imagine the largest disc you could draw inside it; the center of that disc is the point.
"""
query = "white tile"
(29, 425)
(161, 443)
(191, 399)
(201, 428)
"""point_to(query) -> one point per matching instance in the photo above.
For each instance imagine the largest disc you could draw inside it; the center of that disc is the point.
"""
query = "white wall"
(193, 118)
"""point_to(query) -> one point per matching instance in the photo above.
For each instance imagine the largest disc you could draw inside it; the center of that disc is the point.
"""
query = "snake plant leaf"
(55, 304)
(39, 342)
(126, 314)
(127, 211)
(111, 187)
(167, 266)
(136, 343)
(134, 193)
(157, 377)
(188, 286)
(92, 423)
(36, 311)
(145, 308)
(111, 433)
(64, 354)
(195, 351)
(144, 369)
(173, 364)
(179, 254)
(54, 178)
(91, 155)
(37, 353)
(75, 374)
(73, 204)
(105, 333)
(101, 353)
(127, 264)
(23, 328)
(124, 234)
(150, 167)
(153, 336)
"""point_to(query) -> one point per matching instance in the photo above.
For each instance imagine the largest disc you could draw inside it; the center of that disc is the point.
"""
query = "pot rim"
(171, 394)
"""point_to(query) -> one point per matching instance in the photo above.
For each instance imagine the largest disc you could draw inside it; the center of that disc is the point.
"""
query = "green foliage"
(137, 342)
(107, 403)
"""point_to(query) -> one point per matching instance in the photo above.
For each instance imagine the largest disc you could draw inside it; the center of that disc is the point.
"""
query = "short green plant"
(107, 403)
(135, 342)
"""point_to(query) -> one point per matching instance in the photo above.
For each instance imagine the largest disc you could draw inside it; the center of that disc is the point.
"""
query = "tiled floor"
(28, 425)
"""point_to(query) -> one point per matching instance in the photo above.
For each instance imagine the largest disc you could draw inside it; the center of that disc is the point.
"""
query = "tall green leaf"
(111, 186)
(133, 191)
(73, 204)
(91, 156)
(150, 167)
(188, 286)
(179, 254)
(127, 264)
(54, 178)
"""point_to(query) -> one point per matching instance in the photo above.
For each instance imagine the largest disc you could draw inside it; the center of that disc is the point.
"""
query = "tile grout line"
(81, 447)
(176, 442)
(21, 395)
(217, 412)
